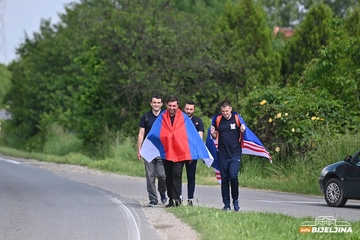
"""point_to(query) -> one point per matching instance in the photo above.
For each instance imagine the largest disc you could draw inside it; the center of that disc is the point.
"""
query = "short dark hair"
(172, 98)
(155, 96)
(226, 103)
(190, 102)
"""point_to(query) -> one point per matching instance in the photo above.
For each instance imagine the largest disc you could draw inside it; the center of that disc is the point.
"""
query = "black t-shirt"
(229, 135)
(146, 121)
(198, 123)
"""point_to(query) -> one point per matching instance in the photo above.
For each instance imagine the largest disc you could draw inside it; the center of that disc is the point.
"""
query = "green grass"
(299, 175)
(214, 224)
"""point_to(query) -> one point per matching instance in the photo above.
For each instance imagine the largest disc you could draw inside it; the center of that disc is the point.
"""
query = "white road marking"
(132, 227)
(10, 161)
(268, 201)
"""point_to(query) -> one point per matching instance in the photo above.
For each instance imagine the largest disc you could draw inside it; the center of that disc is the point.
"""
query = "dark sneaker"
(236, 206)
(152, 204)
(171, 203)
(177, 202)
(190, 203)
(163, 198)
(226, 208)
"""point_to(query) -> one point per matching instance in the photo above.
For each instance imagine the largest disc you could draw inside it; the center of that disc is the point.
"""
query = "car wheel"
(334, 195)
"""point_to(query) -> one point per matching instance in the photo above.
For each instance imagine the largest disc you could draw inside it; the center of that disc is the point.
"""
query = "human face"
(172, 107)
(189, 110)
(156, 104)
(226, 112)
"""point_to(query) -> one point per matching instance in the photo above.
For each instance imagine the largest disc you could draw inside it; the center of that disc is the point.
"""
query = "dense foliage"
(94, 72)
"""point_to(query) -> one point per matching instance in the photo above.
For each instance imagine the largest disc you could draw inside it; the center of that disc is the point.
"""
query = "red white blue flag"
(250, 145)
(175, 142)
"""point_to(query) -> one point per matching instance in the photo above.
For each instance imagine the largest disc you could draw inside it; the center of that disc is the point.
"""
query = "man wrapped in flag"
(174, 138)
(227, 139)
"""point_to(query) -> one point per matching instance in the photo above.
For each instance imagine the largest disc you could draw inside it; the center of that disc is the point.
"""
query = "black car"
(341, 181)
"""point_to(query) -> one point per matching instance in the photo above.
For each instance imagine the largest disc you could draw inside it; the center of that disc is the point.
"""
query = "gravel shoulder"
(166, 224)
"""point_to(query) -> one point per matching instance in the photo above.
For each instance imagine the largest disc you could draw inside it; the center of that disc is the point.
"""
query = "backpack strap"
(217, 121)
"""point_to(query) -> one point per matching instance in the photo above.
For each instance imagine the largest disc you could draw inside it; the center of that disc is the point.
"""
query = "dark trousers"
(229, 169)
(190, 174)
(173, 172)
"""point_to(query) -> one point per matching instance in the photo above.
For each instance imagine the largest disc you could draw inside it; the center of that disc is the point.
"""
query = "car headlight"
(323, 172)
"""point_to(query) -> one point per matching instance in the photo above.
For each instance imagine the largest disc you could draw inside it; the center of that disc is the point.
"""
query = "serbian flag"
(250, 145)
(175, 142)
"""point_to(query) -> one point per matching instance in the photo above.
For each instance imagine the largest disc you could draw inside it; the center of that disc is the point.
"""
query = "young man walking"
(227, 128)
(155, 168)
(190, 166)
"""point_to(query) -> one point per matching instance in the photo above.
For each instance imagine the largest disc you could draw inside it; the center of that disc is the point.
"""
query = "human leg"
(224, 168)
(190, 174)
(177, 179)
(161, 176)
(168, 172)
(150, 181)
(234, 168)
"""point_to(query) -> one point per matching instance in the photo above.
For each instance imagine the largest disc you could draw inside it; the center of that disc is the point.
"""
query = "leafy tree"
(337, 67)
(5, 82)
(290, 13)
(44, 80)
(132, 53)
(246, 49)
(312, 34)
(283, 13)
(338, 7)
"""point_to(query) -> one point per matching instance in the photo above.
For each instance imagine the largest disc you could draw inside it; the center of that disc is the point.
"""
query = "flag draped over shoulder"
(177, 142)
(250, 145)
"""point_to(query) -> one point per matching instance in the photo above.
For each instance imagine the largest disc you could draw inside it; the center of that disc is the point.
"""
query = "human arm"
(201, 128)
(140, 141)
(213, 132)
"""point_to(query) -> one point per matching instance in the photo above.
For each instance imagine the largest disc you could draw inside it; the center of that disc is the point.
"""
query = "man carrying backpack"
(227, 128)
(155, 168)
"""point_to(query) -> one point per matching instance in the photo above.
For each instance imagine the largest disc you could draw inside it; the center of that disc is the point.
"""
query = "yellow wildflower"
(270, 120)
(313, 118)
(322, 119)
(262, 102)
(286, 102)
(278, 115)
(277, 149)
(286, 114)
(293, 129)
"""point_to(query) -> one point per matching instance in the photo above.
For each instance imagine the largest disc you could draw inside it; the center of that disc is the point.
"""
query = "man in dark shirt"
(155, 168)
(190, 166)
(228, 131)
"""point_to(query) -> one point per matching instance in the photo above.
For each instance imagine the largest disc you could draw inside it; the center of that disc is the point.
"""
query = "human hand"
(139, 156)
(242, 128)
(212, 129)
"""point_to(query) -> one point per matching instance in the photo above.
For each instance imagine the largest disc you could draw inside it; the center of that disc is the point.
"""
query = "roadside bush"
(288, 119)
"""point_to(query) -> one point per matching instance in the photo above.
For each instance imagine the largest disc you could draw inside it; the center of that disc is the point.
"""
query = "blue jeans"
(229, 169)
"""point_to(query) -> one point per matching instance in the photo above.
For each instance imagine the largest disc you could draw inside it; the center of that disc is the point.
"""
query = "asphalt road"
(37, 204)
(40, 204)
